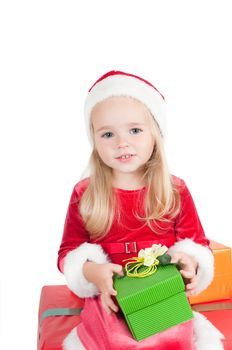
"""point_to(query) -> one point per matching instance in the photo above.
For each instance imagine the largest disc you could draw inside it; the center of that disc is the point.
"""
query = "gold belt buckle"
(127, 247)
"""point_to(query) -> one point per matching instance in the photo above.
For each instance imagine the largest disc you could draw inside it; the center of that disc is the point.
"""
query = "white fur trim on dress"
(206, 335)
(72, 341)
(203, 257)
(73, 268)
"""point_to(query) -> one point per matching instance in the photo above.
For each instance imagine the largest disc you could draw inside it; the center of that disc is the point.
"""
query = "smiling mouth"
(126, 156)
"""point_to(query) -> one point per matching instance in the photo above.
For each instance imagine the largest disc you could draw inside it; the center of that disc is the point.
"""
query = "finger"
(191, 285)
(183, 260)
(105, 305)
(175, 258)
(194, 279)
(112, 291)
(121, 273)
(109, 288)
(190, 288)
(117, 269)
(190, 292)
(188, 263)
(110, 304)
(187, 274)
(178, 259)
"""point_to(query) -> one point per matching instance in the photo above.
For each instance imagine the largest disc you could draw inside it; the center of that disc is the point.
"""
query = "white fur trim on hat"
(126, 85)
(73, 268)
(203, 257)
(205, 334)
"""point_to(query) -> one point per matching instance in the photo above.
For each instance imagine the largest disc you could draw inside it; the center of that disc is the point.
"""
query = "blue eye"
(137, 130)
(106, 133)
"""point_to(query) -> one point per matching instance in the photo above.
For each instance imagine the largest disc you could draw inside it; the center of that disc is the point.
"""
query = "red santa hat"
(117, 83)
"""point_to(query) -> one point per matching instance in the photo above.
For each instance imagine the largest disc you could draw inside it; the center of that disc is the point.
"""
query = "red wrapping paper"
(221, 318)
(53, 329)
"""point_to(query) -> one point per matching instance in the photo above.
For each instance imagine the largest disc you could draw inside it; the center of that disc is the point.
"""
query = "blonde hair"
(98, 205)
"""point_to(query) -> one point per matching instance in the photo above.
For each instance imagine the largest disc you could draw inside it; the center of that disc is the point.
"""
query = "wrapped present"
(220, 315)
(59, 312)
(221, 286)
(153, 303)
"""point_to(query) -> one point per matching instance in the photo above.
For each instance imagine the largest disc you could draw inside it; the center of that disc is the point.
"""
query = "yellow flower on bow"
(147, 258)
(151, 254)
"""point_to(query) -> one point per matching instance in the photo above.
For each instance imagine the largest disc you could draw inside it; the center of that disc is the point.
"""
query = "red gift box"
(220, 315)
(59, 301)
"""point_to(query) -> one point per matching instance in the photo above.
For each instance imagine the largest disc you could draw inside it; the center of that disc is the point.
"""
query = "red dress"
(185, 225)
(98, 330)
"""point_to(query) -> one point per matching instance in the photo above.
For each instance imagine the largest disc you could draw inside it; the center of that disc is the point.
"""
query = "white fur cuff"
(73, 268)
(203, 257)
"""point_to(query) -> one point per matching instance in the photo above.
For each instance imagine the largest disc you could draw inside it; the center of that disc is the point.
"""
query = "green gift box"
(154, 303)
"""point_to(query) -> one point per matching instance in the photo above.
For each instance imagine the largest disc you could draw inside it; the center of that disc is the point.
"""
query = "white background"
(51, 53)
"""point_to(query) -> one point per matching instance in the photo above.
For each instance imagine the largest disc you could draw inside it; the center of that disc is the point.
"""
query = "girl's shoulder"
(81, 186)
(178, 183)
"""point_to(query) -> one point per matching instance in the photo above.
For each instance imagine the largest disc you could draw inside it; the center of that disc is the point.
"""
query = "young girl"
(129, 202)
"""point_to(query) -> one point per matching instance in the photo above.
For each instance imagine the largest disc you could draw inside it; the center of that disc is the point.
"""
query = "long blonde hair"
(98, 205)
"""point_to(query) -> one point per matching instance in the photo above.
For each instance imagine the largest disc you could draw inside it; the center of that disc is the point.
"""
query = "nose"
(123, 145)
(122, 142)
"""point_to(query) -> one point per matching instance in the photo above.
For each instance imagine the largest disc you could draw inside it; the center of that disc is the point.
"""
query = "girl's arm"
(191, 241)
(101, 275)
(74, 233)
(75, 250)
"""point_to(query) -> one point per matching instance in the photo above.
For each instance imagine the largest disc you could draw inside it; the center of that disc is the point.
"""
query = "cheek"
(98, 144)
(102, 150)
(148, 143)
(149, 148)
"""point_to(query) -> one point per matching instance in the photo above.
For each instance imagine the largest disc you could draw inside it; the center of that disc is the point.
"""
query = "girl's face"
(122, 135)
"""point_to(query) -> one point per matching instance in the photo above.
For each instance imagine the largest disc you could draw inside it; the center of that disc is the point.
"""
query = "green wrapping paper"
(154, 303)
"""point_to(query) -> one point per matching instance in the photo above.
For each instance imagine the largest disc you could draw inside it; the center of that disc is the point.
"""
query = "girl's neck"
(128, 183)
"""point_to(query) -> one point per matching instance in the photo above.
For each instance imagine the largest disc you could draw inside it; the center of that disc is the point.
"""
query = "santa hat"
(117, 83)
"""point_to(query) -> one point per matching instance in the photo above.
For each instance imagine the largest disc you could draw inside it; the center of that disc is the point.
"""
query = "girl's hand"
(101, 275)
(188, 271)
